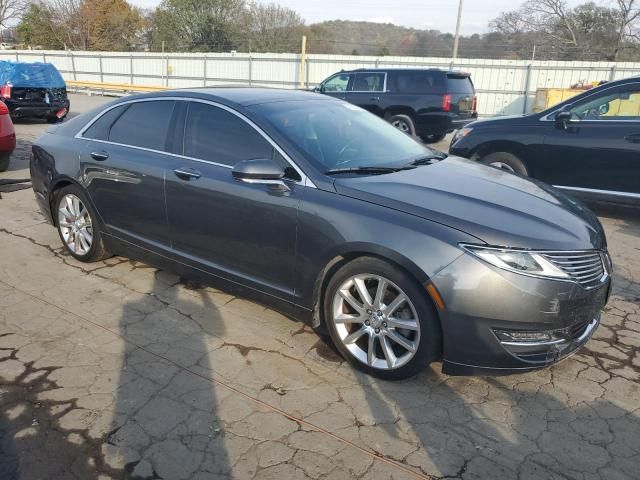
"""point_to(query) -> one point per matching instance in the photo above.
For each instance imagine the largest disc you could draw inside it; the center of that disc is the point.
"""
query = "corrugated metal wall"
(504, 86)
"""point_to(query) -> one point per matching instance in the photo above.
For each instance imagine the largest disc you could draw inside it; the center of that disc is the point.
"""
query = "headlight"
(463, 132)
(518, 261)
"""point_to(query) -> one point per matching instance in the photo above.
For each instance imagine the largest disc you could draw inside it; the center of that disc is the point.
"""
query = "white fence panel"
(503, 86)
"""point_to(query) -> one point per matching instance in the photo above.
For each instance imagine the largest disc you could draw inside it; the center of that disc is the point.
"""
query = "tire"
(433, 138)
(506, 161)
(345, 322)
(78, 229)
(404, 123)
(54, 119)
(5, 158)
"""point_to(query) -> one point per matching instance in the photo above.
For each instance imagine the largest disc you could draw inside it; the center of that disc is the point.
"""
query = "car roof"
(239, 96)
(400, 69)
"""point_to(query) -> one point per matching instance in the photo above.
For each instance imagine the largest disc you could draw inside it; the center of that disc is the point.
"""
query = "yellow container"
(548, 97)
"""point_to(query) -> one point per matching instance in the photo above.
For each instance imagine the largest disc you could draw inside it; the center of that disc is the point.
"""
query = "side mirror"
(319, 89)
(563, 118)
(259, 169)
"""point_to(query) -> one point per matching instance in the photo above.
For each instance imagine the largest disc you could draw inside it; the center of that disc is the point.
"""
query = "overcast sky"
(436, 14)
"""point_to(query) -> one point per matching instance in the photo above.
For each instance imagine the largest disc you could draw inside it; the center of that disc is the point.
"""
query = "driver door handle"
(187, 174)
(99, 156)
(634, 138)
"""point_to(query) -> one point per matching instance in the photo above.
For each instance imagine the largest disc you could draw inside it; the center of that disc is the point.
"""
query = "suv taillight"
(5, 90)
(475, 104)
(446, 102)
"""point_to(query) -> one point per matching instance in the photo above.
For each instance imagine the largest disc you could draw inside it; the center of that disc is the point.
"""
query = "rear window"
(144, 124)
(99, 130)
(459, 84)
(30, 75)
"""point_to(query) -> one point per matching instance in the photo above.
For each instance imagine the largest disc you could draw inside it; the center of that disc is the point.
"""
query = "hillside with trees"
(544, 29)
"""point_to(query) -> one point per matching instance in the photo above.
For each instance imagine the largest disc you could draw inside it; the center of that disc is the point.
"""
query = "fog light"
(514, 336)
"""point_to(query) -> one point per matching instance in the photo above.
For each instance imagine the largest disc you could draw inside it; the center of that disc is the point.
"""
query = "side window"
(368, 82)
(99, 130)
(623, 105)
(216, 135)
(421, 82)
(144, 124)
(338, 83)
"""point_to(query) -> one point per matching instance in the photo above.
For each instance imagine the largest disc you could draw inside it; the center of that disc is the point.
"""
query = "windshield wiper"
(366, 170)
(429, 160)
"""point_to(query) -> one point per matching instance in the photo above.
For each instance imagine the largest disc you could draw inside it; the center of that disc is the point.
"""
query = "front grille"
(586, 268)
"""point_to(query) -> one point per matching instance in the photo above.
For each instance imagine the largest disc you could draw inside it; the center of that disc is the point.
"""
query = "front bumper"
(550, 319)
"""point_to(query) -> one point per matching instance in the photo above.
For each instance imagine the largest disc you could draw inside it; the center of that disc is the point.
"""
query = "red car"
(7, 137)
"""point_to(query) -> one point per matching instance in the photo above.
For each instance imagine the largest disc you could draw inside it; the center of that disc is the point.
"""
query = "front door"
(245, 232)
(366, 91)
(600, 148)
(123, 164)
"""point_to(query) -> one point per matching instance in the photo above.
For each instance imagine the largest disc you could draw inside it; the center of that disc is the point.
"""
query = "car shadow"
(163, 423)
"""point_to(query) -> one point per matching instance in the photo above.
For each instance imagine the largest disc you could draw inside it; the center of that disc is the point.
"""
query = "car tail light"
(3, 109)
(5, 91)
(475, 104)
(446, 102)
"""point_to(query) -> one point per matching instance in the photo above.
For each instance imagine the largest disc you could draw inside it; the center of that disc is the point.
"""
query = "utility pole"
(457, 37)
(303, 61)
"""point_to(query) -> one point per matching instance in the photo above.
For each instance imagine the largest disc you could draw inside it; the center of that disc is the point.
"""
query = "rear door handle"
(187, 173)
(635, 138)
(375, 99)
(99, 156)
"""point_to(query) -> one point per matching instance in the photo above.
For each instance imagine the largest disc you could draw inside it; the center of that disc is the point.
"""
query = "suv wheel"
(404, 124)
(380, 320)
(506, 161)
(433, 138)
(77, 226)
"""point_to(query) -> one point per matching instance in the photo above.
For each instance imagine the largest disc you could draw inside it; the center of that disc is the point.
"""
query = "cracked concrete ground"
(116, 370)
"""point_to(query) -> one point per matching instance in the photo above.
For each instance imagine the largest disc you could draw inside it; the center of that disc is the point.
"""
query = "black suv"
(428, 103)
(588, 145)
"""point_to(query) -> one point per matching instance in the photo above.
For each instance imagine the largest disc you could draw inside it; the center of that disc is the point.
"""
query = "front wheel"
(506, 161)
(77, 226)
(380, 320)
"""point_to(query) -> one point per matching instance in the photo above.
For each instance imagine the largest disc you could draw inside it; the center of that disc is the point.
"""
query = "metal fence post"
(306, 71)
(612, 74)
(204, 70)
(526, 89)
(17, 58)
(250, 70)
(101, 72)
(73, 65)
(131, 69)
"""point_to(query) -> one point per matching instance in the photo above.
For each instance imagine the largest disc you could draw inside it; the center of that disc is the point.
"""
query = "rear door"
(123, 164)
(600, 149)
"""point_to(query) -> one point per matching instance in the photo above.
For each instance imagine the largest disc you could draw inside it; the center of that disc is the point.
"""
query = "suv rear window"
(459, 83)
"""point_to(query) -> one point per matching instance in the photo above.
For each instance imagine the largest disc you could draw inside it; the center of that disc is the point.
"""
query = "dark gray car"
(333, 216)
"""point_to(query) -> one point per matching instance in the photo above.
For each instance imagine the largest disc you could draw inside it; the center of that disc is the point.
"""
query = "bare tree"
(272, 28)
(11, 10)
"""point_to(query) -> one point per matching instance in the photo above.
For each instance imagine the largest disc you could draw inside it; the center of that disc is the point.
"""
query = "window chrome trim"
(600, 192)
(384, 84)
(304, 178)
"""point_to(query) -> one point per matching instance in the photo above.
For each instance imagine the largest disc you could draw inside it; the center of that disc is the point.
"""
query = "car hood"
(503, 119)
(497, 207)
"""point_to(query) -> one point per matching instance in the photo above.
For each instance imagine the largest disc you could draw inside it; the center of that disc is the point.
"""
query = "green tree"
(197, 25)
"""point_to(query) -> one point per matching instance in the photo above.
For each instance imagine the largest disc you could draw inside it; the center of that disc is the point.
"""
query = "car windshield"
(337, 135)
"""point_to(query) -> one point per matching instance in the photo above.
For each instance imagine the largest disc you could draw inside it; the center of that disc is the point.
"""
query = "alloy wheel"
(376, 321)
(401, 125)
(75, 224)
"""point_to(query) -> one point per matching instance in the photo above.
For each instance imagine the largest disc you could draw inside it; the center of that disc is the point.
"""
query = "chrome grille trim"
(585, 268)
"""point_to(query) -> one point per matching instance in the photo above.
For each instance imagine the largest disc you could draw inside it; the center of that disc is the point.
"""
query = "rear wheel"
(380, 320)
(77, 225)
(433, 138)
(55, 119)
(404, 124)
(5, 158)
(506, 161)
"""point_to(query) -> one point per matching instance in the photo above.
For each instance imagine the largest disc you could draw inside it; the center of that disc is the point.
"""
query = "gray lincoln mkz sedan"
(334, 217)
